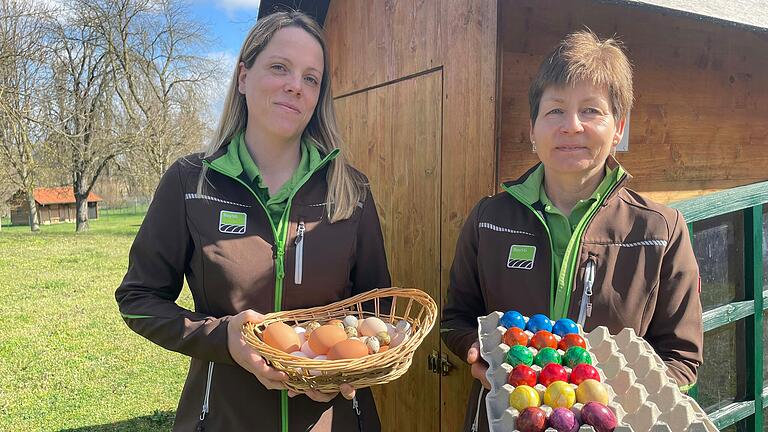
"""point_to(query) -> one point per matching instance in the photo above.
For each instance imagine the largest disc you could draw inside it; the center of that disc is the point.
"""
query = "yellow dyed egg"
(523, 397)
(591, 391)
(560, 394)
(281, 336)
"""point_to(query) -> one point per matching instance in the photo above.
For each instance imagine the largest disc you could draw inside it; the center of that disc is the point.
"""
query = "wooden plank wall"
(700, 118)
(375, 44)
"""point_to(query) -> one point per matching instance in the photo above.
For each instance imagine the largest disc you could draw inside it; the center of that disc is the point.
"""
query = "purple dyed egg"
(564, 420)
(599, 417)
(532, 419)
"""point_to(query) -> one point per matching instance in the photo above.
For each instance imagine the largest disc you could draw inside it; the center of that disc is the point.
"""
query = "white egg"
(350, 321)
(391, 330)
(403, 326)
(398, 339)
(299, 354)
(307, 350)
(371, 326)
(301, 331)
(321, 357)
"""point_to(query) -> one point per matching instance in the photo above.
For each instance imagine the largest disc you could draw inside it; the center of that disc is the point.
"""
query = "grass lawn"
(68, 361)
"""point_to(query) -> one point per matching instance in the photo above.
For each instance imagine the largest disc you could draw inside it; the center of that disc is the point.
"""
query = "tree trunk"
(82, 213)
(34, 220)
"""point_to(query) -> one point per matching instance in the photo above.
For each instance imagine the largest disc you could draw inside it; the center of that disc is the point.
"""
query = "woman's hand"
(478, 365)
(346, 390)
(247, 357)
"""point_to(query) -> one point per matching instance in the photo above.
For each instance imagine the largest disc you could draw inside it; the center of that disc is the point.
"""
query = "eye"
(312, 80)
(278, 67)
(591, 110)
(555, 111)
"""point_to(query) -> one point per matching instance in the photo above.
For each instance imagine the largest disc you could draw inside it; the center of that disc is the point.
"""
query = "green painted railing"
(749, 199)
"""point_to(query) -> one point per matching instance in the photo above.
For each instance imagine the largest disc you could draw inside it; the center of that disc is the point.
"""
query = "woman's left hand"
(346, 390)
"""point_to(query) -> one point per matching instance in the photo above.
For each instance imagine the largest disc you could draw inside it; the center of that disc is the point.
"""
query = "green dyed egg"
(576, 355)
(546, 356)
(518, 355)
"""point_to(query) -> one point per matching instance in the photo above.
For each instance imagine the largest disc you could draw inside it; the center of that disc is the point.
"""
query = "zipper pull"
(298, 272)
(585, 310)
(300, 232)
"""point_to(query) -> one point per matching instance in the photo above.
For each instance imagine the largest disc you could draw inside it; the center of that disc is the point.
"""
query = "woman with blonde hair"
(272, 217)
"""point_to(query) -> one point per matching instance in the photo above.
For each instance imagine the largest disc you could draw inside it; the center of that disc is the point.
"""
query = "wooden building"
(431, 96)
(54, 205)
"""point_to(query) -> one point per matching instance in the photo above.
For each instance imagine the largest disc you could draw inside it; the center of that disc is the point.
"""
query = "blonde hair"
(346, 186)
(582, 56)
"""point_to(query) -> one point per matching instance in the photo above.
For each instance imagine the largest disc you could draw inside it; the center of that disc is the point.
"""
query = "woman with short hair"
(568, 238)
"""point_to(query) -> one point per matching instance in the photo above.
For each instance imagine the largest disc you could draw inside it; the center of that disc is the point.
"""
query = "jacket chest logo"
(521, 257)
(232, 222)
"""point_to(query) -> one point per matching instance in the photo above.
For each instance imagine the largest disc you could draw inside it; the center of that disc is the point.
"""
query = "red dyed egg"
(599, 417)
(583, 372)
(543, 339)
(569, 340)
(515, 336)
(532, 419)
(522, 375)
(551, 373)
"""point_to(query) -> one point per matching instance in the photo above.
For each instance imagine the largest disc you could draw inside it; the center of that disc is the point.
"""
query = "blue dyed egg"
(564, 326)
(512, 319)
(539, 322)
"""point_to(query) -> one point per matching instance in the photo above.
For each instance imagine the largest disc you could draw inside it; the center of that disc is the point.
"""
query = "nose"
(571, 124)
(293, 85)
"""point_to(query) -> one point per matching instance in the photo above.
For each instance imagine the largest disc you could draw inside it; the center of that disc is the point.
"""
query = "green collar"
(611, 177)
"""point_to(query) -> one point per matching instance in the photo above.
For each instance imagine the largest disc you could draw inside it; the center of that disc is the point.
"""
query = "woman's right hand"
(244, 355)
(478, 367)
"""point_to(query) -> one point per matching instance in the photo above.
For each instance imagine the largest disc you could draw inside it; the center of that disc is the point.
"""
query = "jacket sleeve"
(458, 327)
(676, 329)
(369, 270)
(158, 259)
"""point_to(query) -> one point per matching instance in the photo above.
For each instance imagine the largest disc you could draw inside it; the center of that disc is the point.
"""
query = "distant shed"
(54, 205)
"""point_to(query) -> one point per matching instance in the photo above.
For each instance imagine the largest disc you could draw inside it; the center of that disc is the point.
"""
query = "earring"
(533, 145)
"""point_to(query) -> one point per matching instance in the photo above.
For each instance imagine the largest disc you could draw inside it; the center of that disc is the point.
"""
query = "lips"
(288, 107)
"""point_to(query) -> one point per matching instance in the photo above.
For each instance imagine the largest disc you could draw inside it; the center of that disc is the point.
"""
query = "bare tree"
(21, 77)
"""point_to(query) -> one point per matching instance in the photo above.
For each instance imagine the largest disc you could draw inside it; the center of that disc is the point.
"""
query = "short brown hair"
(582, 56)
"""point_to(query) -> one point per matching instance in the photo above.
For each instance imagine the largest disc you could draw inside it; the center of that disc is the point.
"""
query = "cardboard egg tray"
(641, 394)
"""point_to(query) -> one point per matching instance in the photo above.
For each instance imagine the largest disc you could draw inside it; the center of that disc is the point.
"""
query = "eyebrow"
(287, 60)
(561, 100)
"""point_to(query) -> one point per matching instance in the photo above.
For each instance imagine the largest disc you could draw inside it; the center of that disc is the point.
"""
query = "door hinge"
(438, 363)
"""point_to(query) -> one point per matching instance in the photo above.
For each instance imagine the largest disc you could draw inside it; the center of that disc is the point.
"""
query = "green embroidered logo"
(232, 222)
(521, 257)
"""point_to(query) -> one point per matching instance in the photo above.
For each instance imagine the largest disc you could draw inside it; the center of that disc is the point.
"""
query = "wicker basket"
(412, 305)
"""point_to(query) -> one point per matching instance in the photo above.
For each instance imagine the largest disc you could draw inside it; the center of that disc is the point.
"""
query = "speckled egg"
(383, 338)
(310, 327)
(351, 332)
(373, 345)
(371, 326)
(325, 337)
(281, 336)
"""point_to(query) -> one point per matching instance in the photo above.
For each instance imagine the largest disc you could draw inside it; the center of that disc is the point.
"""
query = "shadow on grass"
(159, 421)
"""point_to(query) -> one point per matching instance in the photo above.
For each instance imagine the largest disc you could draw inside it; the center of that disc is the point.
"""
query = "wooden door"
(393, 135)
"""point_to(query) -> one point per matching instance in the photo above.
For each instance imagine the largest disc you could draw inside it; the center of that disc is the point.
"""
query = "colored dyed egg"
(325, 337)
(599, 417)
(570, 340)
(371, 326)
(523, 397)
(576, 355)
(543, 339)
(519, 354)
(281, 336)
(559, 394)
(591, 391)
(583, 372)
(551, 373)
(515, 336)
(564, 326)
(563, 420)
(531, 420)
(348, 349)
(546, 356)
(539, 322)
(512, 319)
(522, 375)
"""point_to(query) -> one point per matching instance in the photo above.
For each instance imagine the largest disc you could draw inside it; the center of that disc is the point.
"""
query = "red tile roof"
(60, 195)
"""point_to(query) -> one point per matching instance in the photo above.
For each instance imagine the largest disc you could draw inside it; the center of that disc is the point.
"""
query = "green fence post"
(753, 287)
(694, 390)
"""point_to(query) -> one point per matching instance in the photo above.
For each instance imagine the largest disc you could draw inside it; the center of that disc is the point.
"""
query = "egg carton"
(641, 394)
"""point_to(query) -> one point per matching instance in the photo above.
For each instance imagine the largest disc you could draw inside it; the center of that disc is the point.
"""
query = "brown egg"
(348, 349)
(383, 348)
(281, 336)
(325, 337)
